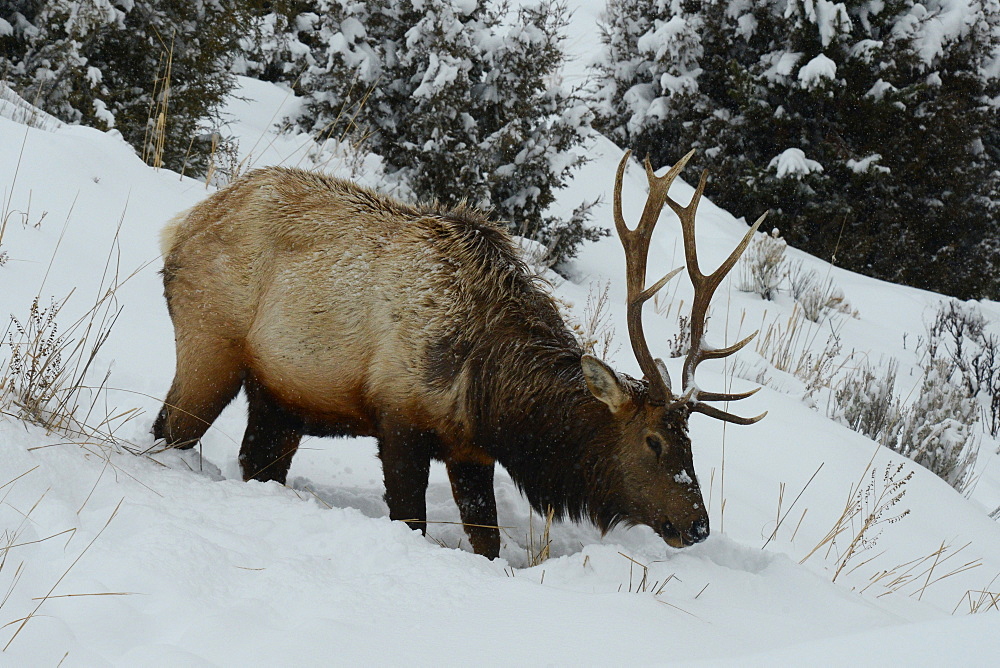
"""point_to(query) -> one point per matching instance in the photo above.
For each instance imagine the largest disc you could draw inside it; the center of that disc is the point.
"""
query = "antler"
(636, 244)
(704, 290)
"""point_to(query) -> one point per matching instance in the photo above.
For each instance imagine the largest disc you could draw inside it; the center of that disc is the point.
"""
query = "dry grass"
(224, 162)
(917, 575)
(867, 510)
(598, 333)
(644, 584)
(41, 600)
(779, 517)
(4, 257)
(817, 296)
(595, 332)
(761, 270)
(981, 600)
(680, 344)
(655, 587)
(351, 133)
(539, 548)
(790, 345)
(155, 141)
(44, 377)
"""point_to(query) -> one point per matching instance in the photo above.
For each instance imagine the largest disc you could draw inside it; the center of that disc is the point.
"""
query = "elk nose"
(699, 531)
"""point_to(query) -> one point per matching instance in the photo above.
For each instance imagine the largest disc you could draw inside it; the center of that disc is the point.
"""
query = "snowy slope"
(126, 560)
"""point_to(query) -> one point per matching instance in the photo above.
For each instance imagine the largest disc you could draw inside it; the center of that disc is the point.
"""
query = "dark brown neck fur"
(535, 415)
(526, 396)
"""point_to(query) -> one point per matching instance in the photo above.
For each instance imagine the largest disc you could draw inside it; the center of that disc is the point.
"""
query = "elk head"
(661, 489)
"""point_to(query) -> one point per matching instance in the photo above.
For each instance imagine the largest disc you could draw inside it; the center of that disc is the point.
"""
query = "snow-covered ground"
(108, 558)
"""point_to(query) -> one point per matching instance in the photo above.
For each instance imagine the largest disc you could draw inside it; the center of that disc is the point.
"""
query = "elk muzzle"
(696, 532)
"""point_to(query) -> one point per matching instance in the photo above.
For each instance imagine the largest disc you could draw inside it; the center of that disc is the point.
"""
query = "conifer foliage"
(156, 70)
(461, 99)
(867, 127)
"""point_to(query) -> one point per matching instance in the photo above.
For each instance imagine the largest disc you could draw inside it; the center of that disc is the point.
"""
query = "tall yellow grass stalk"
(155, 140)
(539, 547)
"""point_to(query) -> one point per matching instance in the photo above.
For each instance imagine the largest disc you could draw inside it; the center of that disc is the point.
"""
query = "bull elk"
(343, 312)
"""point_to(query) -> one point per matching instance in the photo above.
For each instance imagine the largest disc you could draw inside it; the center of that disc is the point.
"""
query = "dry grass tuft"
(654, 587)
(539, 547)
(790, 346)
(43, 379)
(680, 344)
(644, 584)
(598, 333)
(762, 268)
(981, 600)
(919, 574)
(595, 332)
(868, 509)
(224, 162)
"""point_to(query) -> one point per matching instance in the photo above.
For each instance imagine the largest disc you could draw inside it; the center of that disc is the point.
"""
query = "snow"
(831, 18)
(782, 64)
(793, 162)
(659, 41)
(747, 26)
(867, 164)
(933, 24)
(465, 7)
(816, 71)
(437, 77)
(172, 560)
(103, 114)
(14, 108)
(879, 89)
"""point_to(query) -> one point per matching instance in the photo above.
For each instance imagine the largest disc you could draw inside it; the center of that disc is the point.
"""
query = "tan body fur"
(284, 285)
(341, 311)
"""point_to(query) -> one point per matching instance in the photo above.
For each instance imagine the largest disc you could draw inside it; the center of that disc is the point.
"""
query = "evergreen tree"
(279, 45)
(458, 97)
(156, 71)
(867, 128)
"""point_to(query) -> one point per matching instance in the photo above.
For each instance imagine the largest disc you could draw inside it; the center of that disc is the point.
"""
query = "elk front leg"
(406, 463)
(472, 487)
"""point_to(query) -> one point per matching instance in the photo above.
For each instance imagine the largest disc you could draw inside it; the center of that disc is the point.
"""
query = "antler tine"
(636, 245)
(620, 225)
(727, 396)
(712, 411)
(717, 353)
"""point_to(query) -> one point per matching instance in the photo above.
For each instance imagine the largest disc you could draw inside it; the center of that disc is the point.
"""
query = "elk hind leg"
(472, 487)
(208, 376)
(271, 438)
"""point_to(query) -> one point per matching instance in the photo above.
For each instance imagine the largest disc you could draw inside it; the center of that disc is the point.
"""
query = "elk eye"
(655, 445)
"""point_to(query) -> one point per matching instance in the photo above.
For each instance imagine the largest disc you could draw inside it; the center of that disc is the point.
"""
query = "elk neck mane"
(550, 433)
(525, 393)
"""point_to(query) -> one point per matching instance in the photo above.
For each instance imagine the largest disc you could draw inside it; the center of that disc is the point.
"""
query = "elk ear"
(603, 383)
(664, 374)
